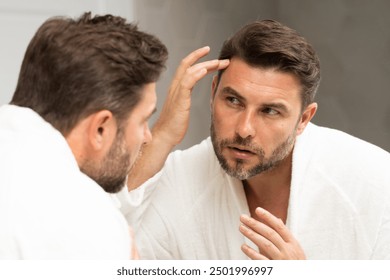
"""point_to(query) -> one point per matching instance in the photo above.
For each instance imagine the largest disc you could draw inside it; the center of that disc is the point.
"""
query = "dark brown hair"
(269, 44)
(73, 68)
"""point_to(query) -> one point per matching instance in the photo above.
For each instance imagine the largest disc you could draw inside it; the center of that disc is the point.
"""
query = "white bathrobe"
(339, 205)
(48, 208)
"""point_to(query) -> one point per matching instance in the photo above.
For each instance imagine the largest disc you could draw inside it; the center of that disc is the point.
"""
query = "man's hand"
(172, 124)
(272, 237)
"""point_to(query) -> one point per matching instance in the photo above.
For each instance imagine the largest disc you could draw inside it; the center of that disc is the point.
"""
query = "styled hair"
(270, 45)
(74, 68)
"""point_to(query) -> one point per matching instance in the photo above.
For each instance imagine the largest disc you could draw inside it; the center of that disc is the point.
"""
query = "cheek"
(279, 134)
(223, 122)
(134, 139)
(137, 139)
(276, 132)
(219, 128)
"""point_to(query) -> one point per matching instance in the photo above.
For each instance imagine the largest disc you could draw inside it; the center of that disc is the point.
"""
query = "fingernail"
(260, 210)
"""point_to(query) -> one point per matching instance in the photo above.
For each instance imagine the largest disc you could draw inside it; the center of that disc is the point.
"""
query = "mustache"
(243, 143)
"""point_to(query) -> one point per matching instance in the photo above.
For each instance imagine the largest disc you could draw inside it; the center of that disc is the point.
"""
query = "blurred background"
(352, 39)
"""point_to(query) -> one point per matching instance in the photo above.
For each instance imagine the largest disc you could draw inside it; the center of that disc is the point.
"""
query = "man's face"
(111, 172)
(255, 115)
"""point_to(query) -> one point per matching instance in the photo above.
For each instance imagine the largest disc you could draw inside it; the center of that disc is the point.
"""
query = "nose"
(245, 126)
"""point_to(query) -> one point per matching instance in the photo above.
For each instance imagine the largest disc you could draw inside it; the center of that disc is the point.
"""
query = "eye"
(270, 111)
(233, 100)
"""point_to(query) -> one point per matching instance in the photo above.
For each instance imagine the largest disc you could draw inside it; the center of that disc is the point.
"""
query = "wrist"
(163, 139)
(166, 135)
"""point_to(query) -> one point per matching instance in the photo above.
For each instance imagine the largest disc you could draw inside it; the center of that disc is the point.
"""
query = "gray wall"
(352, 38)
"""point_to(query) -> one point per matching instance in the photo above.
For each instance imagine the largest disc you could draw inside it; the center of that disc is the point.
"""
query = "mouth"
(241, 152)
(241, 149)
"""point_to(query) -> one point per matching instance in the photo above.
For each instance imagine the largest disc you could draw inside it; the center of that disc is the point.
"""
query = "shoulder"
(336, 144)
(334, 172)
(343, 158)
(51, 207)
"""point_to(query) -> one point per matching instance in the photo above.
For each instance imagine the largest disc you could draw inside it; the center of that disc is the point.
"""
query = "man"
(72, 132)
(267, 184)
(76, 121)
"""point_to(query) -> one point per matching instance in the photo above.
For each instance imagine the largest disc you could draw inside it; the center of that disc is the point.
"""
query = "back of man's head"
(73, 68)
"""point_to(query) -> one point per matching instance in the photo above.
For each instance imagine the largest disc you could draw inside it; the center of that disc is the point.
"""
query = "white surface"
(19, 19)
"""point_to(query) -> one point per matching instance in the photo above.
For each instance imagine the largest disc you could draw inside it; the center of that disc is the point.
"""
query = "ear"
(101, 130)
(306, 117)
(92, 136)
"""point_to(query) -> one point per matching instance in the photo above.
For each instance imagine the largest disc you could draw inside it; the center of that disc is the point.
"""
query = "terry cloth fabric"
(48, 208)
(339, 204)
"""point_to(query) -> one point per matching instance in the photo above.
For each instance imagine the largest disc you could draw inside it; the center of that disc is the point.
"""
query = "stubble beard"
(238, 169)
(111, 173)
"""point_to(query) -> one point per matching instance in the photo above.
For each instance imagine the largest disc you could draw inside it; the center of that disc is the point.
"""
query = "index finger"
(191, 59)
(275, 223)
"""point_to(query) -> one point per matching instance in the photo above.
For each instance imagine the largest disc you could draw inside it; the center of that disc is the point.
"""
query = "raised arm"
(172, 123)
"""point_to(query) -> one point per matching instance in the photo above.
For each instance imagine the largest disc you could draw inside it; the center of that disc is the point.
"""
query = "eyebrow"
(229, 90)
(152, 113)
(273, 105)
(279, 106)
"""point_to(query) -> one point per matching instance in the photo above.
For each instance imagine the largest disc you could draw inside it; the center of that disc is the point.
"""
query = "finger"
(198, 71)
(189, 81)
(190, 60)
(194, 56)
(252, 254)
(264, 230)
(275, 223)
(210, 65)
(266, 246)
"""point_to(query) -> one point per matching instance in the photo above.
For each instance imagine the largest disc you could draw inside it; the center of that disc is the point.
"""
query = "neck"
(270, 189)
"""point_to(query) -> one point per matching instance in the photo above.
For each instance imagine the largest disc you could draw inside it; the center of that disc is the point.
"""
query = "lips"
(241, 149)
(240, 152)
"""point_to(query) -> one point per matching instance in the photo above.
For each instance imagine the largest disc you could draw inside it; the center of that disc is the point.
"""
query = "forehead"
(260, 82)
(148, 93)
(147, 103)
